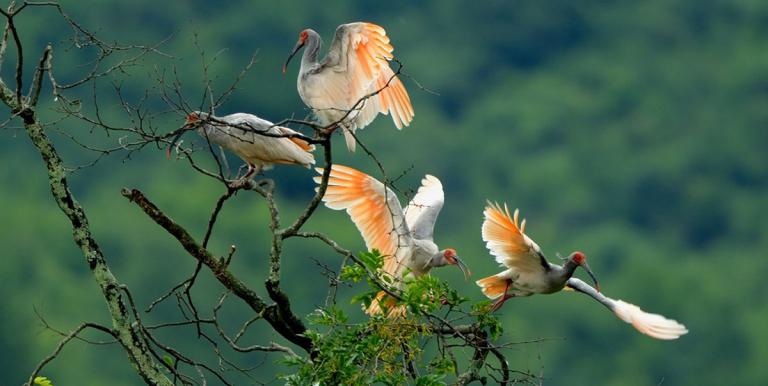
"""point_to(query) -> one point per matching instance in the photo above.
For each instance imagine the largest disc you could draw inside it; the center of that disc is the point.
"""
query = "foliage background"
(633, 131)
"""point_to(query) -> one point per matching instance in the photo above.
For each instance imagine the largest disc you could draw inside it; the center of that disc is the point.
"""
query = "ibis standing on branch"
(239, 133)
(528, 273)
(353, 82)
(403, 237)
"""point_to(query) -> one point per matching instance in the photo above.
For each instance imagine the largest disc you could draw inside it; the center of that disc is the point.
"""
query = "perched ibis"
(528, 273)
(403, 237)
(239, 133)
(353, 82)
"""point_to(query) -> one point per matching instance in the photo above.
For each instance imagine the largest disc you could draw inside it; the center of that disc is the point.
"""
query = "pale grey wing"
(421, 213)
(337, 50)
(653, 325)
(250, 121)
(257, 148)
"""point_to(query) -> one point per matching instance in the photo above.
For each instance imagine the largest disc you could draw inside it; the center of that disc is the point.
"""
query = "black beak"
(175, 140)
(296, 49)
(592, 275)
(463, 267)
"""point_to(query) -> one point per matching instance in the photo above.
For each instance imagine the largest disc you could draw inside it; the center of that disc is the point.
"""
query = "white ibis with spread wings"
(353, 82)
(403, 237)
(528, 272)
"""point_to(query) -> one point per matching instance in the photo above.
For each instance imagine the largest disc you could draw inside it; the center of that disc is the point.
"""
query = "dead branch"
(270, 312)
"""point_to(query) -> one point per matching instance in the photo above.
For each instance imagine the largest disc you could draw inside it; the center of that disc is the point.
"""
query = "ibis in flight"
(528, 273)
(403, 237)
(353, 82)
(240, 134)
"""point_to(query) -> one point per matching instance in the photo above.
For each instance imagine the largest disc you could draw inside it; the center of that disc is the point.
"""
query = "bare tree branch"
(123, 330)
(37, 81)
(293, 331)
(67, 338)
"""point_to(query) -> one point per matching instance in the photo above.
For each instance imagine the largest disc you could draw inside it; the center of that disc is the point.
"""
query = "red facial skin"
(192, 118)
(579, 258)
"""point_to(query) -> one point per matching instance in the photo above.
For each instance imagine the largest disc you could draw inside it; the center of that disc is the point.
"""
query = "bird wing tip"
(653, 325)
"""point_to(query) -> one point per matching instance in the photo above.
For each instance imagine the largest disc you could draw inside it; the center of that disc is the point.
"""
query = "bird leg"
(240, 169)
(240, 182)
(329, 129)
(497, 304)
(252, 171)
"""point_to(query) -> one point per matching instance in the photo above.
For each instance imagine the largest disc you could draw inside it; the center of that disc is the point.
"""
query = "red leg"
(242, 181)
(329, 130)
(503, 299)
(251, 171)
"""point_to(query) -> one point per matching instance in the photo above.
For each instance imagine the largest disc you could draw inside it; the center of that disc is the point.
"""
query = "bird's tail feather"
(304, 145)
(350, 138)
(492, 286)
(389, 303)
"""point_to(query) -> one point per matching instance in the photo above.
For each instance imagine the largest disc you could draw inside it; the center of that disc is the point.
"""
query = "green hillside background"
(636, 132)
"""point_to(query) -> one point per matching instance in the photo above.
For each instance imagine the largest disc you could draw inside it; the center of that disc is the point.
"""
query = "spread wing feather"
(376, 212)
(421, 213)
(361, 54)
(653, 325)
(505, 238)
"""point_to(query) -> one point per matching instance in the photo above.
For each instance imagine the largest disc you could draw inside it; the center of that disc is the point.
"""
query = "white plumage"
(354, 82)
(239, 133)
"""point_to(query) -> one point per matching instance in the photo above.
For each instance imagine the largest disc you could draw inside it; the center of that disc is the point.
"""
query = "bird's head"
(194, 119)
(580, 259)
(449, 256)
(303, 36)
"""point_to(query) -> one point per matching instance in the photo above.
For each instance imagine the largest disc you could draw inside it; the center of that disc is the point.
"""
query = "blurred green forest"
(636, 132)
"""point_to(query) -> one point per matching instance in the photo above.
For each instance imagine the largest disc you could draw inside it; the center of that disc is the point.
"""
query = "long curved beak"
(183, 130)
(463, 267)
(592, 275)
(296, 49)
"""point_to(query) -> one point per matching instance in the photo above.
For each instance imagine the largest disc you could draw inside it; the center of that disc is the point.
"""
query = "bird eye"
(303, 35)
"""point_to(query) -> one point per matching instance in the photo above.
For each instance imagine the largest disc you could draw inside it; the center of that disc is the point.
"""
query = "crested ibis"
(528, 273)
(353, 82)
(403, 237)
(259, 151)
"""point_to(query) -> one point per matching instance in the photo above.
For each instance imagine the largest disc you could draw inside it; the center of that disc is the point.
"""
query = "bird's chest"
(421, 258)
(326, 93)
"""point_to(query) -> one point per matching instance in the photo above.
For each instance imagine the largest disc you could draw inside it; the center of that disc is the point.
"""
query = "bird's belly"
(532, 284)
(326, 96)
(419, 261)
(260, 150)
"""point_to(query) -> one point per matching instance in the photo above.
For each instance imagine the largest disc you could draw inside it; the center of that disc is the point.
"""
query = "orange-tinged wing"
(304, 145)
(376, 212)
(393, 99)
(507, 241)
(364, 53)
